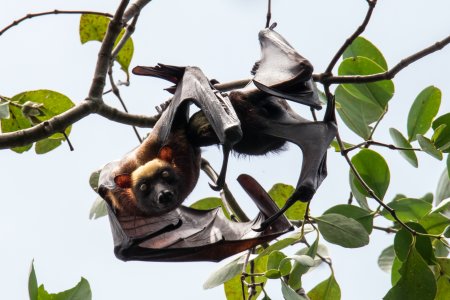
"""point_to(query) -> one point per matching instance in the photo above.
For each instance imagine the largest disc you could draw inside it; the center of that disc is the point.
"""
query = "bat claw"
(216, 187)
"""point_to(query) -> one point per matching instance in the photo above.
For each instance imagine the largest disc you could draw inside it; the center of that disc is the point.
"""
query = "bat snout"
(166, 196)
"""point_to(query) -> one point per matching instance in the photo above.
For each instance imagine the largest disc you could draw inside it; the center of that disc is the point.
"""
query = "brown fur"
(185, 162)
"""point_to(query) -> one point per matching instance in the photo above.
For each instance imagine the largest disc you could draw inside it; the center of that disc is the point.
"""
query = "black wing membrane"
(192, 86)
(283, 72)
(187, 234)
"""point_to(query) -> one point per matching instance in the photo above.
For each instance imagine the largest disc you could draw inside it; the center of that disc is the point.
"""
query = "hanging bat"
(159, 174)
(267, 121)
(187, 234)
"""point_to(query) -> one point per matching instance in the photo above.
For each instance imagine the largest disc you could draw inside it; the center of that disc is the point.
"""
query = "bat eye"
(165, 174)
(143, 187)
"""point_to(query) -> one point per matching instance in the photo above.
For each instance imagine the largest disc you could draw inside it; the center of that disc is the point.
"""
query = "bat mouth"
(166, 197)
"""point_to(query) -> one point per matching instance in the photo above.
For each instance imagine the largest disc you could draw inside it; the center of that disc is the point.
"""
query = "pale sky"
(46, 199)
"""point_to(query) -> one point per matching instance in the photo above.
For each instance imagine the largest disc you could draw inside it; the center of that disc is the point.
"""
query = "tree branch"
(105, 53)
(350, 40)
(53, 12)
(47, 128)
(134, 9)
(324, 78)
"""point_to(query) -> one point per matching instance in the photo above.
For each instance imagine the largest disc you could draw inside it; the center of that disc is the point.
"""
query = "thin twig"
(269, 13)
(386, 229)
(116, 92)
(53, 12)
(324, 78)
(368, 143)
(350, 40)
(372, 132)
(128, 33)
(226, 195)
(374, 196)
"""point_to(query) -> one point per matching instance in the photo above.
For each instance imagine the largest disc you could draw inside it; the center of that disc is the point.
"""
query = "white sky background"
(46, 199)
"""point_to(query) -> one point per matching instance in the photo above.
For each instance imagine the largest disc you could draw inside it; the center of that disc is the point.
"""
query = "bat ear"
(165, 153)
(123, 181)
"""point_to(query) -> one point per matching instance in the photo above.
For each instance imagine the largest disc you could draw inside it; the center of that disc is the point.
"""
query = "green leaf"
(435, 223)
(274, 260)
(443, 190)
(416, 281)
(273, 274)
(327, 289)
(428, 197)
(282, 243)
(211, 203)
(336, 147)
(82, 291)
(304, 260)
(443, 288)
(444, 205)
(232, 287)
(280, 193)
(51, 104)
(440, 250)
(343, 231)
(408, 209)
(46, 145)
(443, 140)
(289, 293)
(93, 28)
(362, 47)
(404, 240)
(395, 271)
(401, 141)
(386, 259)
(4, 110)
(357, 113)
(444, 265)
(422, 112)
(358, 214)
(299, 269)
(16, 122)
(360, 197)
(32, 283)
(374, 171)
(93, 180)
(448, 165)
(224, 273)
(379, 92)
(437, 132)
(428, 147)
(98, 209)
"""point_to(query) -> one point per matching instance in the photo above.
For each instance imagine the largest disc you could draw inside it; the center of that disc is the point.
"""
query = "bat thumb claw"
(215, 187)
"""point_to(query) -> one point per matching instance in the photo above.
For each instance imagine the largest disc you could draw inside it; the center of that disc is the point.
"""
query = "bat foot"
(216, 187)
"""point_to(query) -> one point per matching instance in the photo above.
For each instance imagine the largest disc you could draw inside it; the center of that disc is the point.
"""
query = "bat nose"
(166, 196)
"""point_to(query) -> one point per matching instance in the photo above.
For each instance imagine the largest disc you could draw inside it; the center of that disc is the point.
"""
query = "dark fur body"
(256, 114)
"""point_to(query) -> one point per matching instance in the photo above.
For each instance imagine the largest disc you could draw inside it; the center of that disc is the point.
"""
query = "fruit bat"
(187, 234)
(267, 122)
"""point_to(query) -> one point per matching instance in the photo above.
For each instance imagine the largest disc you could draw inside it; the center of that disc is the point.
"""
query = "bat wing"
(192, 86)
(313, 138)
(283, 72)
(187, 234)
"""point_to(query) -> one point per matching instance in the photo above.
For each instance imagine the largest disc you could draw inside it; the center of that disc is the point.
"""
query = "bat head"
(155, 185)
